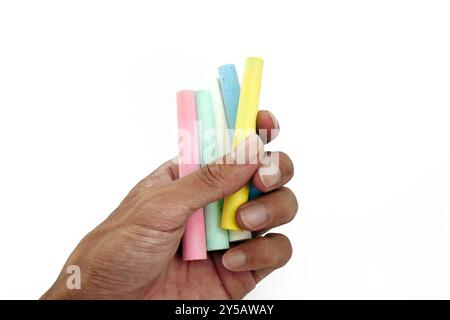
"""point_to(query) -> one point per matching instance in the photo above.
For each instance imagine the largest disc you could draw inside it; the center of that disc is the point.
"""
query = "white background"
(361, 90)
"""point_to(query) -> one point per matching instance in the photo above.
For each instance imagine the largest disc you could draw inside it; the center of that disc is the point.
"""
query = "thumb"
(213, 181)
(222, 177)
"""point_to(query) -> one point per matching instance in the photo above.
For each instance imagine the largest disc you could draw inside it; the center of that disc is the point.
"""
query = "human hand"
(133, 253)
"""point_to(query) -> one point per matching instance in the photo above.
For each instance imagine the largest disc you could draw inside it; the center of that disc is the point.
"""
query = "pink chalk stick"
(194, 239)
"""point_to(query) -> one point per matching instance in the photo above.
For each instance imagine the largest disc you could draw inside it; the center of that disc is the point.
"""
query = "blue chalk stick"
(229, 84)
(254, 192)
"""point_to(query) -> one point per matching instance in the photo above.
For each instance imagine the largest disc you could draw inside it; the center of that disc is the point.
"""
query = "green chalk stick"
(216, 237)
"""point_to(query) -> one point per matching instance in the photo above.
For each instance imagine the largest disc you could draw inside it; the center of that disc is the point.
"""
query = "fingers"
(270, 252)
(268, 211)
(267, 126)
(277, 169)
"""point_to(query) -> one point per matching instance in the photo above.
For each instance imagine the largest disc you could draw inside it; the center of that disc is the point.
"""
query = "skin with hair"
(134, 253)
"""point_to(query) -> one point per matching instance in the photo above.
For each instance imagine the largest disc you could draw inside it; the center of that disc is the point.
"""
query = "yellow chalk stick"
(245, 125)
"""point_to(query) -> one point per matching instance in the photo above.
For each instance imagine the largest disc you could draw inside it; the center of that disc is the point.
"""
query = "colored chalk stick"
(194, 240)
(254, 192)
(239, 235)
(229, 85)
(230, 88)
(209, 120)
(220, 118)
(245, 125)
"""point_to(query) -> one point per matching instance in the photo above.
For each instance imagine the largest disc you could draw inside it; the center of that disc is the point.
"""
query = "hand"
(133, 253)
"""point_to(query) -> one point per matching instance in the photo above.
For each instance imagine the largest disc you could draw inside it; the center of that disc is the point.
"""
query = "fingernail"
(248, 151)
(276, 126)
(234, 259)
(253, 214)
(269, 172)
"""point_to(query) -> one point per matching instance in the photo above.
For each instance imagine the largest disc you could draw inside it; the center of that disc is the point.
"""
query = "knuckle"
(293, 203)
(288, 166)
(213, 174)
(284, 252)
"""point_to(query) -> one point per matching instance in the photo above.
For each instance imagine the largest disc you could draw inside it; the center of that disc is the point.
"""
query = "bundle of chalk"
(208, 123)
